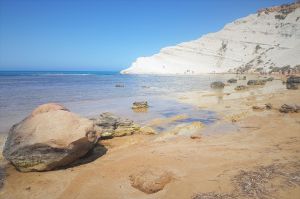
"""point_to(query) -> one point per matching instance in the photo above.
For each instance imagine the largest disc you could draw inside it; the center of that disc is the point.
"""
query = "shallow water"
(90, 93)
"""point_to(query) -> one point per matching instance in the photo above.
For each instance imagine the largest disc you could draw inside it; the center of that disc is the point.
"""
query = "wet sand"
(245, 154)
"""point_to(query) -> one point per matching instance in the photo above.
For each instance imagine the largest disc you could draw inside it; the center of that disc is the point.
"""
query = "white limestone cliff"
(267, 39)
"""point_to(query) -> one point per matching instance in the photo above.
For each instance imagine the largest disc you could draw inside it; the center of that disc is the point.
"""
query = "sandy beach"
(247, 153)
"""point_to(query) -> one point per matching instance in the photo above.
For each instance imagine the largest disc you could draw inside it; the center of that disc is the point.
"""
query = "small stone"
(120, 85)
(293, 79)
(292, 86)
(140, 105)
(256, 82)
(258, 108)
(195, 137)
(232, 80)
(286, 108)
(240, 88)
(269, 106)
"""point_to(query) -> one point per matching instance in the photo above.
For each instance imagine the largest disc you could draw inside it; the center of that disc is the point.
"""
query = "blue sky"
(106, 34)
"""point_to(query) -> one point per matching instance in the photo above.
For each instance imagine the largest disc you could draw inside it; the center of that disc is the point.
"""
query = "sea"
(90, 93)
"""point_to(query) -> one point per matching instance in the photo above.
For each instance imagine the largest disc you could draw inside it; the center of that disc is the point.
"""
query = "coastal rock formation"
(50, 137)
(140, 105)
(260, 42)
(256, 82)
(108, 125)
(217, 85)
(289, 108)
(240, 88)
(150, 180)
(232, 80)
(293, 82)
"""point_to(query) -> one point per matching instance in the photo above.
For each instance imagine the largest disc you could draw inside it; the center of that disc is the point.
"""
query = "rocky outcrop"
(293, 82)
(140, 105)
(256, 82)
(232, 80)
(150, 180)
(264, 40)
(108, 125)
(217, 85)
(240, 88)
(289, 108)
(49, 138)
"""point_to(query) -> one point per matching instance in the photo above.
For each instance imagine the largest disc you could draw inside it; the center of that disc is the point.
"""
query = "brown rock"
(48, 108)
(288, 108)
(150, 180)
(50, 137)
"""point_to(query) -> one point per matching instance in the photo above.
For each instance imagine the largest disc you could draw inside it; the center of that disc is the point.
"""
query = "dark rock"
(256, 82)
(216, 85)
(258, 108)
(108, 125)
(269, 106)
(293, 79)
(292, 86)
(269, 79)
(140, 105)
(241, 87)
(120, 85)
(287, 108)
(232, 80)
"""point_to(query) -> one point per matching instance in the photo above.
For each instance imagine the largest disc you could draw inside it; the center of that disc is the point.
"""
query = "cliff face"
(267, 39)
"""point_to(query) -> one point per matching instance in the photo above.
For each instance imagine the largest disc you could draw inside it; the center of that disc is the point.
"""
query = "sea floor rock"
(292, 86)
(49, 138)
(289, 108)
(256, 82)
(293, 79)
(240, 88)
(258, 108)
(108, 125)
(217, 85)
(140, 105)
(232, 80)
(150, 180)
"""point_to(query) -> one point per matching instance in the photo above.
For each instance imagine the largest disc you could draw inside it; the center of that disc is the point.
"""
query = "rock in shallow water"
(108, 125)
(217, 85)
(288, 108)
(232, 80)
(256, 82)
(240, 88)
(140, 105)
(49, 138)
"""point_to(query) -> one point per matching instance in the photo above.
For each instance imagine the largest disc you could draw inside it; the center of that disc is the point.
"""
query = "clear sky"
(106, 34)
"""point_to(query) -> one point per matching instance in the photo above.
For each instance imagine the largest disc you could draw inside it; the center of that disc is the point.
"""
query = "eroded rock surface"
(232, 80)
(256, 82)
(108, 125)
(217, 85)
(150, 180)
(49, 138)
(289, 108)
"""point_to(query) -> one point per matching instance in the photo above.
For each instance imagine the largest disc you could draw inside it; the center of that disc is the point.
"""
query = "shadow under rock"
(95, 153)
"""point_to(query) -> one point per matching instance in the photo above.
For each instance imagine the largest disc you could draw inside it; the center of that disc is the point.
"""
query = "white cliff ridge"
(267, 39)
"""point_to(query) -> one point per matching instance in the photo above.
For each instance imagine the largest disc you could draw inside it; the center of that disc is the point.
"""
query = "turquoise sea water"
(89, 93)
